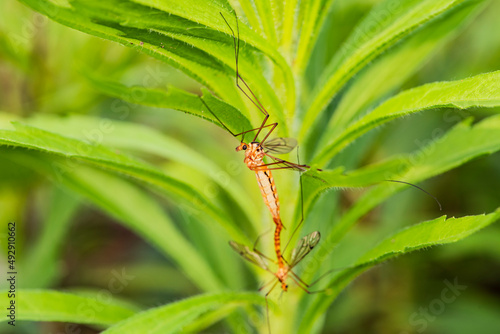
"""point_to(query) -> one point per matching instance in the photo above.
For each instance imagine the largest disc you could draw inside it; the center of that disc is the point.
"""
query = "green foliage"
(47, 305)
(480, 91)
(430, 233)
(98, 130)
(174, 317)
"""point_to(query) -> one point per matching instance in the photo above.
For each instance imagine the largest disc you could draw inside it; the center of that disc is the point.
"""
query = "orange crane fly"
(304, 247)
(255, 152)
(254, 155)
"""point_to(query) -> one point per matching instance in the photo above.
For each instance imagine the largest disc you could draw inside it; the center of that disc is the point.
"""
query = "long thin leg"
(258, 238)
(320, 277)
(299, 285)
(228, 130)
(266, 284)
(298, 225)
(281, 160)
(298, 278)
(259, 106)
(260, 128)
(255, 100)
(279, 168)
(264, 255)
(291, 166)
(236, 42)
(267, 315)
(301, 207)
(267, 306)
(273, 125)
(258, 251)
(268, 133)
(304, 288)
(274, 168)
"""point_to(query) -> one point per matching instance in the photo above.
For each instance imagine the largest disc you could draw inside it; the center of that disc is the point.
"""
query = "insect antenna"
(395, 181)
(304, 286)
(419, 188)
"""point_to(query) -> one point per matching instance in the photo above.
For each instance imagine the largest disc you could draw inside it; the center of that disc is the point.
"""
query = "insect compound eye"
(244, 147)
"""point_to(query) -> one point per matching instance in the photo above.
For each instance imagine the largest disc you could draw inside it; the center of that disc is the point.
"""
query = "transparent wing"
(304, 247)
(279, 145)
(249, 255)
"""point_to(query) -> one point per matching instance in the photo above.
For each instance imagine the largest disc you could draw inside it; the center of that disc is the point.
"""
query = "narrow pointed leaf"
(173, 98)
(386, 25)
(147, 140)
(407, 58)
(139, 212)
(41, 265)
(173, 317)
(49, 305)
(78, 151)
(436, 232)
(479, 91)
(431, 160)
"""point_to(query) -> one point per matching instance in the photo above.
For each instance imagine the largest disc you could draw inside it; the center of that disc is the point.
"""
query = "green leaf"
(433, 159)
(386, 25)
(207, 13)
(41, 265)
(48, 305)
(268, 20)
(139, 212)
(173, 317)
(130, 206)
(14, 52)
(210, 318)
(174, 98)
(99, 156)
(313, 16)
(130, 24)
(231, 117)
(288, 28)
(479, 91)
(439, 231)
(321, 181)
(248, 10)
(407, 58)
(194, 62)
(147, 140)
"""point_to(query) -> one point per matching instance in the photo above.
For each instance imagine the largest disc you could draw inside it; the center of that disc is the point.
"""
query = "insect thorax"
(254, 155)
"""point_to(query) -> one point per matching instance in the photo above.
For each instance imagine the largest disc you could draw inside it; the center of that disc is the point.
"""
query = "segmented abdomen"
(268, 191)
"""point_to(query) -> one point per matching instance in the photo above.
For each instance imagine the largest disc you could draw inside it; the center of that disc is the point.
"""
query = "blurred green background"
(42, 71)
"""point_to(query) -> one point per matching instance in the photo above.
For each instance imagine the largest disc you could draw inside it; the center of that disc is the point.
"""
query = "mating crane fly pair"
(255, 151)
